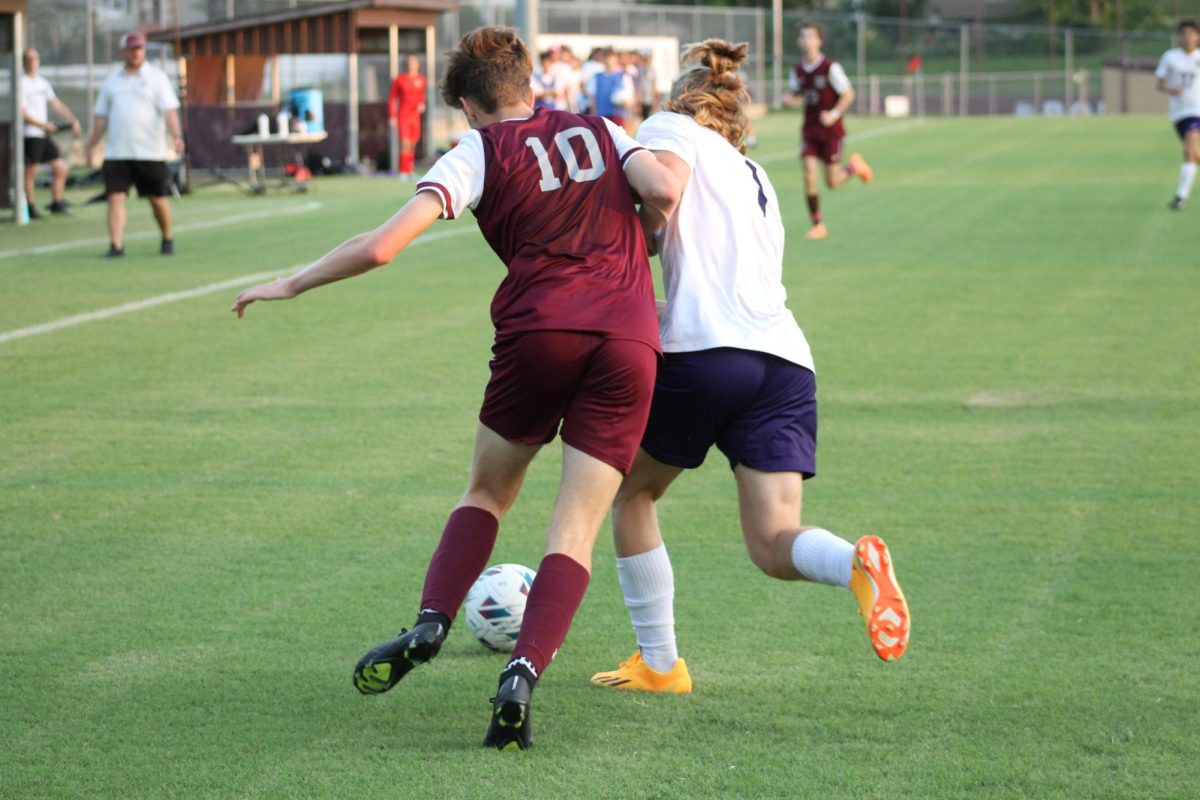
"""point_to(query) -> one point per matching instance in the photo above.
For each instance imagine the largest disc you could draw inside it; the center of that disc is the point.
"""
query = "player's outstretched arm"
(356, 255)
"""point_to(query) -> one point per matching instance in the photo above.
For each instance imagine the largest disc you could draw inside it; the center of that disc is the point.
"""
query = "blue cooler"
(308, 105)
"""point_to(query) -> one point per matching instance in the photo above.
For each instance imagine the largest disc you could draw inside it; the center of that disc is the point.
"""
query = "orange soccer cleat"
(818, 231)
(880, 599)
(861, 168)
(636, 675)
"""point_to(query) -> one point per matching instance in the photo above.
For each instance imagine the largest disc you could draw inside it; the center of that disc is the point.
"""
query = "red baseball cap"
(135, 39)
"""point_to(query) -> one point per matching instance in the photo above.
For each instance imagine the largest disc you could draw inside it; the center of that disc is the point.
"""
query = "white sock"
(823, 557)
(1187, 174)
(648, 584)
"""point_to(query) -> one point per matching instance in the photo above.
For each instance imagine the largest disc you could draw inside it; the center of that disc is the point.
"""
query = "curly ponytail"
(710, 89)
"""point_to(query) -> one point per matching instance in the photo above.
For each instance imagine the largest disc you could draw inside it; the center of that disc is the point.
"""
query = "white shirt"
(1180, 70)
(36, 94)
(837, 76)
(457, 177)
(722, 250)
(134, 104)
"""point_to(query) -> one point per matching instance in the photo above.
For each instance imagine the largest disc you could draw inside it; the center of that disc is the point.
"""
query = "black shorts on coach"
(150, 177)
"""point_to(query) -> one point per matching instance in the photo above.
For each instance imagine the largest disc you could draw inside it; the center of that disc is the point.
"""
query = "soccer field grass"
(204, 522)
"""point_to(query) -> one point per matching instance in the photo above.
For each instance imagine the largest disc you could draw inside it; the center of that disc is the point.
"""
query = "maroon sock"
(462, 554)
(814, 208)
(849, 169)
(555, 597)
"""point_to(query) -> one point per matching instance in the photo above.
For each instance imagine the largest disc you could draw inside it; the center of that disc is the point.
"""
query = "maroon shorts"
(828, 149)
(408, 127)
(598, 389)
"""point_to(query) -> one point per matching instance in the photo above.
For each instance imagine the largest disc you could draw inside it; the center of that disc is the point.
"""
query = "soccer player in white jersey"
(1177, 73)
(737, 373)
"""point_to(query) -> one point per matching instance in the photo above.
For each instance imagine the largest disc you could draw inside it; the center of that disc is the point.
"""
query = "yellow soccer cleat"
(861, 168)
(636, 675)
(879, 598)
(818, 231)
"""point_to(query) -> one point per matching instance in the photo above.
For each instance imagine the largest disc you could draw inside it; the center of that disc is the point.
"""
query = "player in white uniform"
(737, 373)
(1177, 77)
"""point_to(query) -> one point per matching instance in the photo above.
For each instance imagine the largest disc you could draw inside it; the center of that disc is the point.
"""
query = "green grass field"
(205, 522)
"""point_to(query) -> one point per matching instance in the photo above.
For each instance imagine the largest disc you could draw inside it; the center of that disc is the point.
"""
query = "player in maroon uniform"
(406, 104)
(576, 343)
(822, 85)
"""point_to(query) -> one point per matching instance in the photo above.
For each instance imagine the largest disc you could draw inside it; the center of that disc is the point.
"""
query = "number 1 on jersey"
(562, 141)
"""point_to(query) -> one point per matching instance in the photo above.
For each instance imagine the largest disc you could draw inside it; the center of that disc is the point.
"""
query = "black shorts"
(40, 150)
(1184, 126)
(758, 409)
(150, 177)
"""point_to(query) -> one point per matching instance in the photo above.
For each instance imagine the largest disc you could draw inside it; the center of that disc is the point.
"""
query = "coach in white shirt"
(37, 98)
(137, 108)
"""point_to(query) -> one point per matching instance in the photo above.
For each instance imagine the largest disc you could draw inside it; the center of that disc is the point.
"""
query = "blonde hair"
(710, 90)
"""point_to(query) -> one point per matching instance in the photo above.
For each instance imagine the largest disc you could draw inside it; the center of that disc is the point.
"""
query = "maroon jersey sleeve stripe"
(629, 153)
(447, 206)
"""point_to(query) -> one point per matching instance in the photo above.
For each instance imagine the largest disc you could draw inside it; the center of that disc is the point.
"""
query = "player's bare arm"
(654, 218)
(1162, 86)
(356, 255)
(659, 186)
(829, 118)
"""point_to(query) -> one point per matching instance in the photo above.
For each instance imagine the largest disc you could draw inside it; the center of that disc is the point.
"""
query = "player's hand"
(178, 144)
(275, 290)
(50, 128)
(76, 131)
(93, 159)
(828, 118)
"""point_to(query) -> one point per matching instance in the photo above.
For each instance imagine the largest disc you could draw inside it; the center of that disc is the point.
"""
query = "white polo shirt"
(36, 94)
(722, 250)
(134, 104)
(1181, 70)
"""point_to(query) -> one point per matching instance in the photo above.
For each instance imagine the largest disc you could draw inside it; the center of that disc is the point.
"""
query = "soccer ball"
(495, 605)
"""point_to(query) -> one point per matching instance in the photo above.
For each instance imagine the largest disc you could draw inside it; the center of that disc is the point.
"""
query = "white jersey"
(36, 94)
(134, 104)
(1179, 70)
(722, 250)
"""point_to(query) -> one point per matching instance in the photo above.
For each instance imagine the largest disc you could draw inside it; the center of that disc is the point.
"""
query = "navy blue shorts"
(758, 409)
(1187, 124)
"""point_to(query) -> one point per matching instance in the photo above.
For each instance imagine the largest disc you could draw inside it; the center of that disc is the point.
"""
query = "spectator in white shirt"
(37, 98)
(137, 108)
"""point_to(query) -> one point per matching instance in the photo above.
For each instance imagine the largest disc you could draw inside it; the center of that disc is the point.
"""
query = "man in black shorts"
(37, 98)
(137, 108)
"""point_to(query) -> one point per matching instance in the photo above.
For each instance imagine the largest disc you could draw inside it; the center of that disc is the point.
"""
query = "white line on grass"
(187, 294)
(194, 226)
(885, 130)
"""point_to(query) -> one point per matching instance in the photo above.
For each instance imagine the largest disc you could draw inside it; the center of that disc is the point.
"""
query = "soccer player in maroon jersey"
(826, 92)
(406, 104)
(576, 343)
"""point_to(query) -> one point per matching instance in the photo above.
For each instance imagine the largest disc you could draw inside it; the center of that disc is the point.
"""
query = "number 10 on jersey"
(562, 140)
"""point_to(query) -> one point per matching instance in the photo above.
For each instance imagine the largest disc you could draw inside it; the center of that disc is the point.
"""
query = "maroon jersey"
(814, 82)
(550, 196)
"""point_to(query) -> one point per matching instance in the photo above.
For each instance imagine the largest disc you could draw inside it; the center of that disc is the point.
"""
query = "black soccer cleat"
(384, 666)
(510, 728)
(59, 207)
(115, 252)
(1176, 203)
(167, 248)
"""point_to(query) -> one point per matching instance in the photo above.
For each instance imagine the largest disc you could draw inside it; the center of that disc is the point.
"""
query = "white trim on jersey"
(722, 250)
(457, 177)
(837, 76)
(1181, 70)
